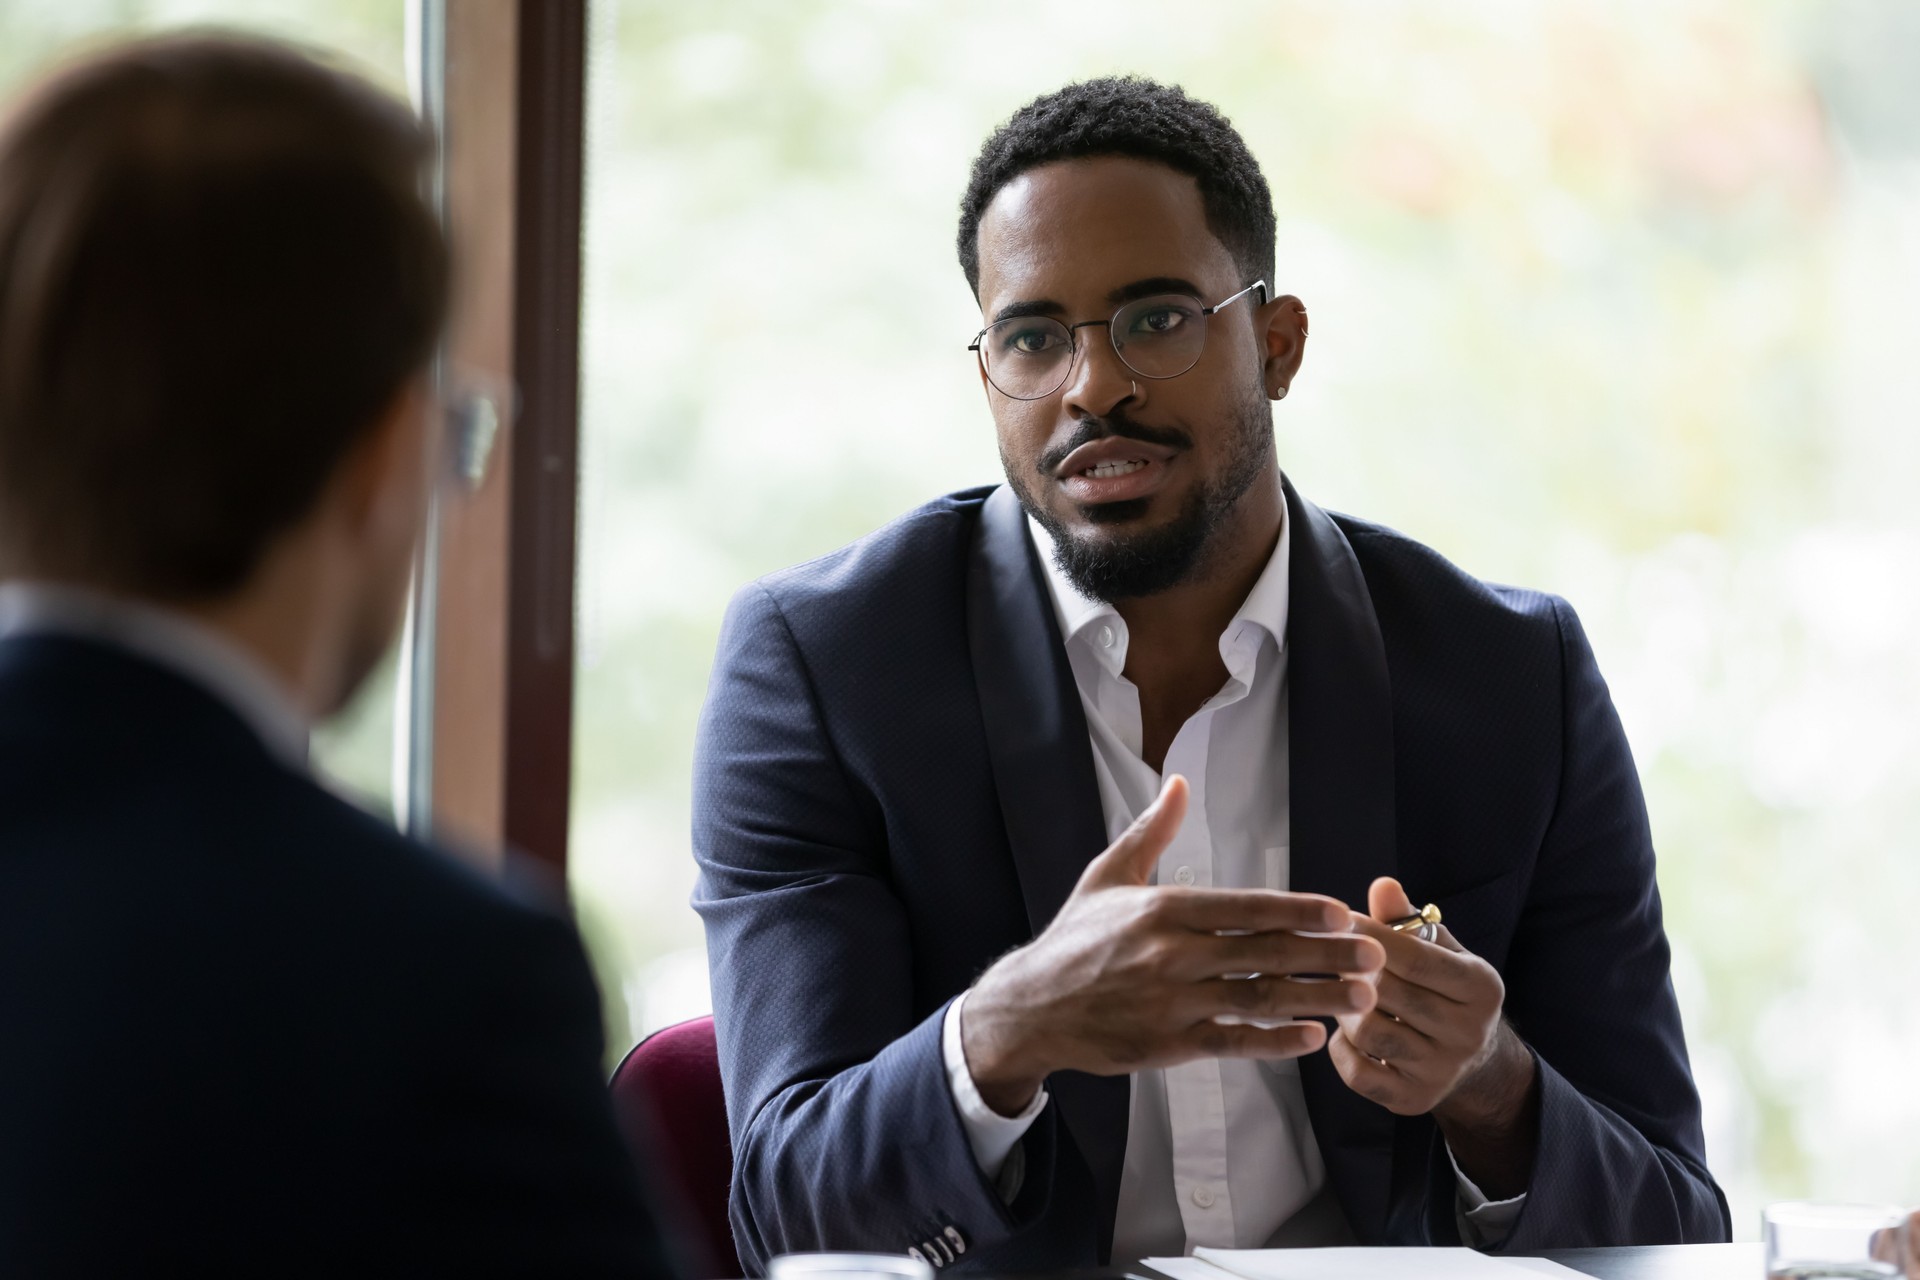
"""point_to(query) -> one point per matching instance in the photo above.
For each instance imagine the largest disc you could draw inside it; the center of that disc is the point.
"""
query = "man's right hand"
(1132, 975)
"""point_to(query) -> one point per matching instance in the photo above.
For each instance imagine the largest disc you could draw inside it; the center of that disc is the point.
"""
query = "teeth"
(1107, 470)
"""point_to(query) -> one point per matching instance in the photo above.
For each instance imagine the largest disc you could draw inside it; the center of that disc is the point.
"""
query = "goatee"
(1120, 563)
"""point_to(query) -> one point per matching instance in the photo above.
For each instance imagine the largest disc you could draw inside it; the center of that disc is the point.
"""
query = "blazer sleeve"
(1621, 1157)
(845, 1134)
(533, 1175)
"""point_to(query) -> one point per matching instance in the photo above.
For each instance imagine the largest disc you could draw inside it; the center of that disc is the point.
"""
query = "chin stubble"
(1122, 564)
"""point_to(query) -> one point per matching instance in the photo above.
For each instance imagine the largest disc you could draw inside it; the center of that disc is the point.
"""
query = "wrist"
(1494, 1099)
(1005, 1071)
(1491, 1122)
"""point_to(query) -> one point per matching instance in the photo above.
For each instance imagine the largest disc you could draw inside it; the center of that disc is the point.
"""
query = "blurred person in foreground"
(246, 1026)
(1051, 837)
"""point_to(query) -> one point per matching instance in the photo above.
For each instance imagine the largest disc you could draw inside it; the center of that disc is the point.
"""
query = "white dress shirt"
(167, 640)
(1220, 1152)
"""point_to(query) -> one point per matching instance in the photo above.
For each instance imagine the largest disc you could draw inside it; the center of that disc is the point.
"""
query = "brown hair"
(217, 269)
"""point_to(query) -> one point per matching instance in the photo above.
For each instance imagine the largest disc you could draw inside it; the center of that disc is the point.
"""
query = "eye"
(1159, 321)
(1036, 340)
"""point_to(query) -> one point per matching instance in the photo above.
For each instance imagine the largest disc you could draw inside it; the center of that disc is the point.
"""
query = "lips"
(1114, 469)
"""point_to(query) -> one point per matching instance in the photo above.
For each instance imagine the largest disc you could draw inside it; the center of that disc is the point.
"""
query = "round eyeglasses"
(1159, 337)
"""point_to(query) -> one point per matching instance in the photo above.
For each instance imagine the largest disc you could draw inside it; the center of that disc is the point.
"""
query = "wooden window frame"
(490, 650)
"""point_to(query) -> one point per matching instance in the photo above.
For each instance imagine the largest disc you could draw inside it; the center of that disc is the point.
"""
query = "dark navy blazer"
(247, 1029)
(894, 786)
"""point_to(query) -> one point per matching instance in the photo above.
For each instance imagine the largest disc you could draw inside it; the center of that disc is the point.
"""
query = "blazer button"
(958, 1241)
(914, 1253)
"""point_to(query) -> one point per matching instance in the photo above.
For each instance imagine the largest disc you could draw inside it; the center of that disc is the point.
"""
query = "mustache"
(1118, 424)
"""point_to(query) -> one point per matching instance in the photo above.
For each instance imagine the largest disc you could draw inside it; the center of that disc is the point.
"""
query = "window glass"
(1610, 299)
(357, 747)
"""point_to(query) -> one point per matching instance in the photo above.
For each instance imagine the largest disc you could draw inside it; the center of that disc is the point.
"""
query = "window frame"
(488, 694)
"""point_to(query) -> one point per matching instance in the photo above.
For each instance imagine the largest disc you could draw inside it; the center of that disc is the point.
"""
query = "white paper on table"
(1351, 1264)
(1187, 1269)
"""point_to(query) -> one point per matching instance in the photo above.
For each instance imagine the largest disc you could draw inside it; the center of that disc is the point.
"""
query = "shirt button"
(1106, 637)
(1183, 876)
(1203, 1196)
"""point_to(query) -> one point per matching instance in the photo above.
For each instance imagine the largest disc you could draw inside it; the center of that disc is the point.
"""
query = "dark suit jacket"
(245, 1027)
(894, 786)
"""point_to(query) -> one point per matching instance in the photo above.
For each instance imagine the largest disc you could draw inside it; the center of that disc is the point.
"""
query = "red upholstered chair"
(667, 1094)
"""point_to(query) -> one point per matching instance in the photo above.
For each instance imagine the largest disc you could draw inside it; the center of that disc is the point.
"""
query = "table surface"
(1640, 1262)
(1668, 1262)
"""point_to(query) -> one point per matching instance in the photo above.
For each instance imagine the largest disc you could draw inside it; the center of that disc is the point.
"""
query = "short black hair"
(217, 269)
(1137, 118)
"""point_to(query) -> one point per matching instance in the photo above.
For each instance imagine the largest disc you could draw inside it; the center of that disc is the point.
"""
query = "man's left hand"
(1435, 1043)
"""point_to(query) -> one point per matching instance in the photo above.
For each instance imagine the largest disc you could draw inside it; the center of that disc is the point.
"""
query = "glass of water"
(1816, 1240)
(848, 1266)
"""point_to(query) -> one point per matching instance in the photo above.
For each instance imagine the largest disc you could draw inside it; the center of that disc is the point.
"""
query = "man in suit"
(247, 1027)
(950, 1022)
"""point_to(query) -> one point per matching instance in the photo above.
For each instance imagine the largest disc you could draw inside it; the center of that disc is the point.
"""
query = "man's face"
(1131, 475)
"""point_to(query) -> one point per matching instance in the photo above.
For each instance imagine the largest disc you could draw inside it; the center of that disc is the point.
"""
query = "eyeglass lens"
(1029, 357)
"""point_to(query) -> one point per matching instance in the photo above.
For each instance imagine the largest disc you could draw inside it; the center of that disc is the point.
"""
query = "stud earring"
(1281, 394)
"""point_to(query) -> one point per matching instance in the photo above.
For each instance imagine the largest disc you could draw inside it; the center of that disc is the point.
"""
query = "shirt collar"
(167, 640)
(1074, 611)
(1263, 613)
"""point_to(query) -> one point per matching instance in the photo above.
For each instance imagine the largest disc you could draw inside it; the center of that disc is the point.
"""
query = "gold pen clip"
(1425, 926)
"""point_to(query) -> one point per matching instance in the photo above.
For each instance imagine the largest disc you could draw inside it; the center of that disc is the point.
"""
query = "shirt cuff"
(1483, 1223)
(992, 1136)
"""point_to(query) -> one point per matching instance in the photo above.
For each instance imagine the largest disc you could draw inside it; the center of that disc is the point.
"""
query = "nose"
(1098, 381)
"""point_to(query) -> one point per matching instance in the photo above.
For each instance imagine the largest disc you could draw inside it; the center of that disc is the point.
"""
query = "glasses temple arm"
(1261, 285)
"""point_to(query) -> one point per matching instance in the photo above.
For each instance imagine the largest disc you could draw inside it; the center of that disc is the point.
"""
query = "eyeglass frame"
(1073, 343)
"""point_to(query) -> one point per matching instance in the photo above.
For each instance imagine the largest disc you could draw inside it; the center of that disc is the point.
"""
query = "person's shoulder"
(1406, 577)
(438, 883)
(928, 542)
(908, 577)
(468, 929)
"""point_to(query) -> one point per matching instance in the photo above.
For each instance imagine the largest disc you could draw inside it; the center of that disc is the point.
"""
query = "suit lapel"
(1342, 779)
(1341, 728)
(1043, 770)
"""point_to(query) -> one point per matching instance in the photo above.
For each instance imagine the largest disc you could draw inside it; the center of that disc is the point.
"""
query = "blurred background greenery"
(1612, 299)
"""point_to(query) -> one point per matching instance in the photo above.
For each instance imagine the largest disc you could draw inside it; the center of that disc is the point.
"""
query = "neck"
(280, 621)
(1173, 638)
(1191, 615)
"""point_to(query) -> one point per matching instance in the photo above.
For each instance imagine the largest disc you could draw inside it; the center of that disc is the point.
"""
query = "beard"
(1123, 564)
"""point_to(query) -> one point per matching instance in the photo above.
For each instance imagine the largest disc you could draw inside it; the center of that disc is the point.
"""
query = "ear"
(1283, 326)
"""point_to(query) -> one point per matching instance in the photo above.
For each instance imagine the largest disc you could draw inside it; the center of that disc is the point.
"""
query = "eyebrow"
(1120, 297)
(1147, 288)
(1034, 308)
